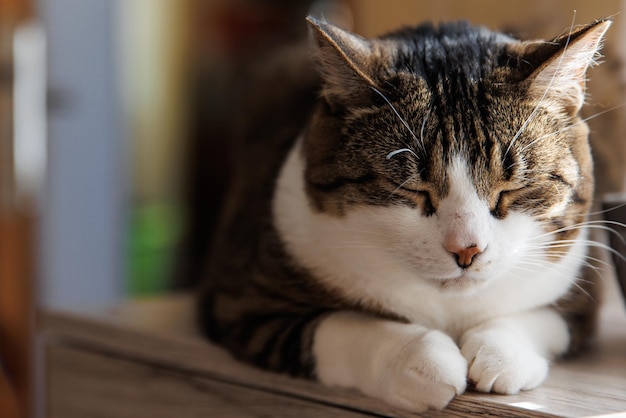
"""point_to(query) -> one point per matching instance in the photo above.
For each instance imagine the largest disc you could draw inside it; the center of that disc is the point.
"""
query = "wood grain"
(83, 385)
(161, 332)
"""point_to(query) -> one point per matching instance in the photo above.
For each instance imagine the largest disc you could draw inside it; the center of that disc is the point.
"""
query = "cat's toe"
(501, 363)
(427, 373)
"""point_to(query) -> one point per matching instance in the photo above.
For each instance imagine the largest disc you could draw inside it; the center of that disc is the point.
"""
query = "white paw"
(407, 365)
(501, 361)
(424, 372)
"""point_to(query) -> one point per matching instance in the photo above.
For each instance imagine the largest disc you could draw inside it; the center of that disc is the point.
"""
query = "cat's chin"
(461, 285)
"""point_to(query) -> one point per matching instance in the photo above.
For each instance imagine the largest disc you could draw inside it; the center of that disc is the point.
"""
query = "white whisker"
(398, 151)
(404, 122)
(401, 185)
(591, 243)
(573, 125)
(422, 131)
(574, 281)
(602, 212)
(580, 258)
(587, 224)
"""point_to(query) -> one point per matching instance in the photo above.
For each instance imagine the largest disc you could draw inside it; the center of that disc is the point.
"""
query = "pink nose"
(464, 255)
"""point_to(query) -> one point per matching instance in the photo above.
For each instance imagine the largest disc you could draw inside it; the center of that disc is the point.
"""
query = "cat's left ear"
(345, 61)
(561, 64)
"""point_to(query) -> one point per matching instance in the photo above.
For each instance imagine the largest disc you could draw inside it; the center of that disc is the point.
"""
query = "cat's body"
(419, 223)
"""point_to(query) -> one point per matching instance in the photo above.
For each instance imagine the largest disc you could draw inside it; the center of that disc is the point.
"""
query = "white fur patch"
(407, 365)
(510, 354)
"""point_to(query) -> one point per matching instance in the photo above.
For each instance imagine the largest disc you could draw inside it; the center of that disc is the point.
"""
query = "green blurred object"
(154, 233)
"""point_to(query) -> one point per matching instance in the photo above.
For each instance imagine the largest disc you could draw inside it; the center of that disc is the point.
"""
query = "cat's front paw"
(426, 372)
(407, 365)
(502, 362)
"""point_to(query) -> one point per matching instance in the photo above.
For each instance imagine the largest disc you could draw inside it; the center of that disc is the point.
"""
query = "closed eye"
(499, 208)
(429, 207)
(407, 186)
(423, 194)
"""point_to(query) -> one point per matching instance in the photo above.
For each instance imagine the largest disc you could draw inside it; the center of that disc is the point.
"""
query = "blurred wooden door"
(16, 317)
(16, 292)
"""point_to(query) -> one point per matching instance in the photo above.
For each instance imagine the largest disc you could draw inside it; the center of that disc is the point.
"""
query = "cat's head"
(456, 151)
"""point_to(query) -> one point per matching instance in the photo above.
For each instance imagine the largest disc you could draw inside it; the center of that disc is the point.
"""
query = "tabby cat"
(409, 214)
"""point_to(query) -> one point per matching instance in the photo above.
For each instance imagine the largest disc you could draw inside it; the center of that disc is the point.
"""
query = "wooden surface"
(82, 382)
(143, 341)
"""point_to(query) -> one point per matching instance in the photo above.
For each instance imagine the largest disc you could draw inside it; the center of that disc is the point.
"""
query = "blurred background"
(114, 130)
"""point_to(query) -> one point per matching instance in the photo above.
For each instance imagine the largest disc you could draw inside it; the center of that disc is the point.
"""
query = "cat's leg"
(407, 365)
(258, 328)
(510, 354)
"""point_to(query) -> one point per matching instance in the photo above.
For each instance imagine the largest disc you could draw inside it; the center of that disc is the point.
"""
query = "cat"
(408, 214)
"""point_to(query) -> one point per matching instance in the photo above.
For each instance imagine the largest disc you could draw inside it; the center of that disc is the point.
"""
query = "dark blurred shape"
(246, 25)
(614, 207)
(8, 404)
(246, 33)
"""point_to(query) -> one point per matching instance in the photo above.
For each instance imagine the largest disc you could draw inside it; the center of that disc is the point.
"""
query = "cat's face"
(456, 153)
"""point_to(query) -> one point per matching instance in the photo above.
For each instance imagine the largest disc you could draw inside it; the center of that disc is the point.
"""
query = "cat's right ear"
(560, 66)
(345, 62)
